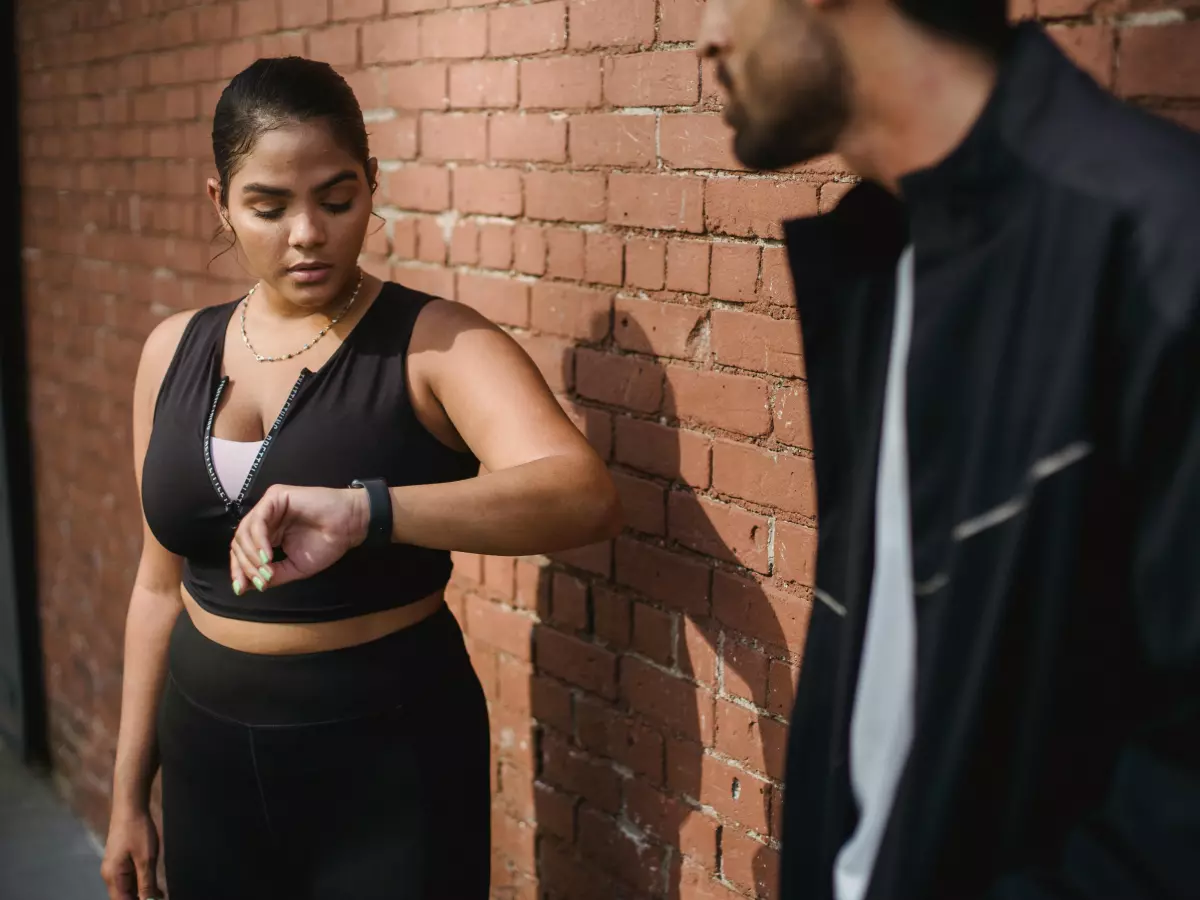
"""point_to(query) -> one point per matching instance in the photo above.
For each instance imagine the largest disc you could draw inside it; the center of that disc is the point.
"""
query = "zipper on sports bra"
(235, 507)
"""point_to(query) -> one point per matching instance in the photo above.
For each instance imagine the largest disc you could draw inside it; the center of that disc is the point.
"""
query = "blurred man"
(1000, 695)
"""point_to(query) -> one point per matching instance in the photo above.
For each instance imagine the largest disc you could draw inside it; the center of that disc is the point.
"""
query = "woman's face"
(300, 204)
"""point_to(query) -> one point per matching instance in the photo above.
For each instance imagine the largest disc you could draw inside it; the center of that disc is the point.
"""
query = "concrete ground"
(45, 853)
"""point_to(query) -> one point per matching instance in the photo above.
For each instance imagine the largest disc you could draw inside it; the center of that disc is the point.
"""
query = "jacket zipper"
(235, 507)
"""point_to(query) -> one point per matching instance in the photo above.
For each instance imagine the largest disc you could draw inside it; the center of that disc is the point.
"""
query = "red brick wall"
(560, 166)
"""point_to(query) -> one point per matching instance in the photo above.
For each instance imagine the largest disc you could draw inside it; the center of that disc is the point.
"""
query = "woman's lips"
(310, 274)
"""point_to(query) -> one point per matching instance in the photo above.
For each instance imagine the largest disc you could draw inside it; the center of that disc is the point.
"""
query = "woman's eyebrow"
(269, 191)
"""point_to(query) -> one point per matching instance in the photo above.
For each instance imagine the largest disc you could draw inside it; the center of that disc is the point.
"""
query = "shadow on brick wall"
(660, 679)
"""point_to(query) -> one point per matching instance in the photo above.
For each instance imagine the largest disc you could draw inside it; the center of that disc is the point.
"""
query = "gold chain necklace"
(320, 334)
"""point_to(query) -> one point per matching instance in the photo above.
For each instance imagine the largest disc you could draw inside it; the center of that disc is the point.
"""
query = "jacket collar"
(940, 204)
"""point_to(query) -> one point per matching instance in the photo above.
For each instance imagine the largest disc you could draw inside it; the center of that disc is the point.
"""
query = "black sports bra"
(350, 419)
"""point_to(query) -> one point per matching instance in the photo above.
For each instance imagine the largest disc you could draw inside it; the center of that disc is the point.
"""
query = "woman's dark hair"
(980, 23)
(273, 93)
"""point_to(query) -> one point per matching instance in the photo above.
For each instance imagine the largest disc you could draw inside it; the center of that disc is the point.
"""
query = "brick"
(760, 612)
(417, 87)
(580, 773)
(295, 14)
(454, 35)
(456, 136)
(1092, 47)
(750, 865)
(659, 329)
(735, 793)
(438, 282)
(397, 7)
(605, 139)
(367, 85)
(781, 688)
(425, 188)
(577, 662)
(745, 673)
(499, 574)
(502, 300)
(643, 503)
(795, 553)
(668, 819)
(777, 277)
(682, 707)
(672, 579)
(664, 451)
(555, 811)
(691, 141)
(718, 530)
(570, 82)
(495, 192)
(610, 23)
(395, 138)
(513, 678)
(687, 266)
(756, 207)
(570, 311)
(612, 618)
(734, 272)
(697, 882)
(515, 839)
(356, 9)
(619, 380)
(680, 20)
(565, 196)
(552, 703)
(657, 78)
(771, 479)
(656, 201)
(404, 238)
(503, 628)
(496, 245)
(565, 253)
(698, 656)
(256, 17)
(1160, 61)
(595, 558)
(732, 402)
(633, 862)
(525, 30)
(792, 422)
(529, 250)
(603, 256)
(554, 359)
(563, 875)
(488, 83)
(389, 41)
(757, 342)
(569, 602)
(596, 426)
(645, 263)
(431, 243)
(534, 138)
(628, 741)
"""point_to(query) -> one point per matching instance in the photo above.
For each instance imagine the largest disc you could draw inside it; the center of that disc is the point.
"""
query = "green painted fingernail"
(264, 557)
(265, 573)
(258, 583)
(237, 587)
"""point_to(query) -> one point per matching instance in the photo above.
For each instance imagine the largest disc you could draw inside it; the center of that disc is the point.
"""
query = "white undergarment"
(232, 461)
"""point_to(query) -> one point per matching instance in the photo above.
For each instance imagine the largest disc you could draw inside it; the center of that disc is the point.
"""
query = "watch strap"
(379, 503)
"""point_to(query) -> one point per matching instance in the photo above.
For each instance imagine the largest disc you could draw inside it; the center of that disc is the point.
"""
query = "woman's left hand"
(314, 526)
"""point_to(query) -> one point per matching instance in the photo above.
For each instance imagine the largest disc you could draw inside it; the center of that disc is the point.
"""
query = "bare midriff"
(287, 638)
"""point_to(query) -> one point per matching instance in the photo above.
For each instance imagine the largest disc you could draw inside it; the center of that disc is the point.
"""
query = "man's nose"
(714, 29)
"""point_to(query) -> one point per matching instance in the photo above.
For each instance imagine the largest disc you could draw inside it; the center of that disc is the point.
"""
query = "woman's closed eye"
(335, 208)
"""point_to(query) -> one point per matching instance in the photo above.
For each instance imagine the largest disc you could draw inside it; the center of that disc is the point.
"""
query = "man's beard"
(807, 121)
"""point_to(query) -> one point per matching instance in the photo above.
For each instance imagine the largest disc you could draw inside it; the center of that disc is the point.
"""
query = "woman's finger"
(244, 569)
(252, 551)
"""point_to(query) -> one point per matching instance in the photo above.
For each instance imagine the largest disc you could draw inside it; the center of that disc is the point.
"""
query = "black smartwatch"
(379, 502)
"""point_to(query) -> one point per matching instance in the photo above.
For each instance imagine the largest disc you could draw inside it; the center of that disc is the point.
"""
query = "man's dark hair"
(981, 23)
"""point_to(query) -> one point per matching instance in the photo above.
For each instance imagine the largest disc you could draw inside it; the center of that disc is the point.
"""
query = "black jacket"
(1054, 447)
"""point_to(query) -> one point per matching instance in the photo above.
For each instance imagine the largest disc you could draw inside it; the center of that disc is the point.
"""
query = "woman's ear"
(214, 195)
(373, 174)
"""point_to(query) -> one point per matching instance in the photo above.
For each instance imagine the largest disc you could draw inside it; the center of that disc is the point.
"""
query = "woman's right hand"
(130, 866)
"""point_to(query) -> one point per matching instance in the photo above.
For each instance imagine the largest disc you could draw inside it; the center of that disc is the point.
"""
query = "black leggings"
(357, 774)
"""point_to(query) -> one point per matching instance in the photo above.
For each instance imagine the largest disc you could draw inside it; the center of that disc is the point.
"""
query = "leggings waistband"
(304, 689)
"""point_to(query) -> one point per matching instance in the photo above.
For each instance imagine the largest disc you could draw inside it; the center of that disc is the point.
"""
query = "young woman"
(308, 456)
